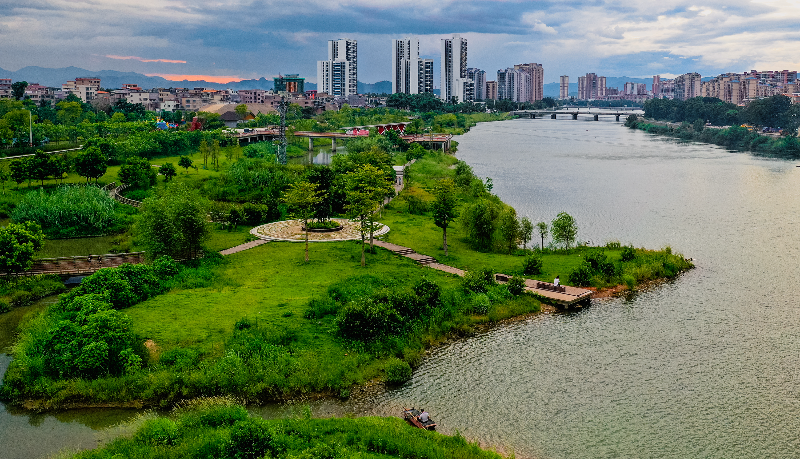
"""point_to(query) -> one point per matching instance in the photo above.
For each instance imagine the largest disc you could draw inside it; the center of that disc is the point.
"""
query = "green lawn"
(270, 284)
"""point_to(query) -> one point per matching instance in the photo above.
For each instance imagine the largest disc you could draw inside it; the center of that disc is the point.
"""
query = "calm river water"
(705, 366)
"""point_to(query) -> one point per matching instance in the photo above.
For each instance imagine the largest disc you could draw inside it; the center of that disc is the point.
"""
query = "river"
(704, 366)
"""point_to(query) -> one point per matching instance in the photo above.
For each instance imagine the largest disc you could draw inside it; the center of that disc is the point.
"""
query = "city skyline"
(228, 41)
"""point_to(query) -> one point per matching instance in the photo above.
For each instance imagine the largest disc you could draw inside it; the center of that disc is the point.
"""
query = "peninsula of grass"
(216, 429)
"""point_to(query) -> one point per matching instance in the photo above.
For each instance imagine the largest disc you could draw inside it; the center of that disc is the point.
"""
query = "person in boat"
(424, 416)
(557, 281)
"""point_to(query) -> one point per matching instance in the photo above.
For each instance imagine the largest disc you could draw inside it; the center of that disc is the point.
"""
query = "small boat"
(412, 417)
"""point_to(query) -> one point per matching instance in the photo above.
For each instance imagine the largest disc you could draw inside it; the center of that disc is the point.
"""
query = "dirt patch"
(609, 292)
(153, 349)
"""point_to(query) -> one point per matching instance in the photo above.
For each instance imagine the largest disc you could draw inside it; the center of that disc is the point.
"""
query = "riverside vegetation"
(263, 325)
(732, 127)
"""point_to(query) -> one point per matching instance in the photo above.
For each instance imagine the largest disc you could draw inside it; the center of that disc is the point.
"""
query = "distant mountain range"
(115, 79)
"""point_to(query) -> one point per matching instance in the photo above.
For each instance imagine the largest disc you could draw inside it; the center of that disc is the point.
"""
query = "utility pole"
(282, 132)
(30, 127)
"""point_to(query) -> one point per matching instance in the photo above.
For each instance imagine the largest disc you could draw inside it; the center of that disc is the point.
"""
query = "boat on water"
(412, 417)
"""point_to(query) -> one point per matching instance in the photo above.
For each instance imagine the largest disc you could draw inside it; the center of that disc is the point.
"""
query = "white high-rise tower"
(338, 76)
(454, 71)
(410, 74)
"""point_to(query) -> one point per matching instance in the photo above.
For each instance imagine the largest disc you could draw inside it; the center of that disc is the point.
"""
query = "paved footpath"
(245, 246)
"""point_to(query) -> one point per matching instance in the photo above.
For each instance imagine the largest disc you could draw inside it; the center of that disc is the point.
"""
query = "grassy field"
(270, 285)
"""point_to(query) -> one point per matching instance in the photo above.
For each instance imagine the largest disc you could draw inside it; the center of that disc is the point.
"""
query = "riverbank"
(732, 137)
(288, 328)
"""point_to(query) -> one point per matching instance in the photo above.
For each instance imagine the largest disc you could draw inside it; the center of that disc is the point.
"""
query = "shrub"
(21, 298)
(157, 432)
(582, 276)
(628, 253)
(428, 292)
(243, 324)
(321, 307)
(4, 306)
(481, 304)
(366, 319)
(253, 439)
(180, 358)
(475, 282)
(532, 264)
(599, 264)
(397, 371)
(516, 285)
(416, 205)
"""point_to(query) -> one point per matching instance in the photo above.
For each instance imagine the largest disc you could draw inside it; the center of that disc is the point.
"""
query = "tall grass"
(69, 211)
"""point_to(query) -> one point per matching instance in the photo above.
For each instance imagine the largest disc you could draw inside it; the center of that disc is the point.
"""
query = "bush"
(416, 205)
(253, 439)
(582, 276)
(21, 298)
(476, 281)
(157, 432)
(532, 264)
(599, 264)
(321, 307)
(481, 304)
(628, 253)
(366, 319)
(516, 285)
(397, 371)
(4, 306)
(428, 292)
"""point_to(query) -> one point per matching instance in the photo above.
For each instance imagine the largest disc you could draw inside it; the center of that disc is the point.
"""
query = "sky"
(230, 40)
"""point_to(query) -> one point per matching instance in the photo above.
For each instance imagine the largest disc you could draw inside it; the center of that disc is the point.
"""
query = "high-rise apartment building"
(536, 72)
(479, 77)
(410, 74)
(338, 76)
(687, 86)
(514, 85)
(591, 87)
(454, 71)
(563, 90)
(491, 90)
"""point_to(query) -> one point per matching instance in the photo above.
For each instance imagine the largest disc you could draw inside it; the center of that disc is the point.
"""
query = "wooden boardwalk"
(563, 295)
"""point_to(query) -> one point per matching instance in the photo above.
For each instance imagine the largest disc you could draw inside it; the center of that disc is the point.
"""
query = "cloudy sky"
(242, 39)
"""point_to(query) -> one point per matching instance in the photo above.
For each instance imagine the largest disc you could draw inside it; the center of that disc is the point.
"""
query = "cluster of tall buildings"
(338, 75)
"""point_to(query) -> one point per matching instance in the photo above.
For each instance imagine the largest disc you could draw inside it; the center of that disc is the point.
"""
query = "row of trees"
(776, 112)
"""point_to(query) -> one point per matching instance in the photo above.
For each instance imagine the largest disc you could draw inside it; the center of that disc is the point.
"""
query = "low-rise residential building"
(85, 88)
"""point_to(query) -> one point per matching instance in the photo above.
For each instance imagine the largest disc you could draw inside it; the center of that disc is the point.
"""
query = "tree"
(479, 221)
(185, 163)
(525, 231)
(168, 171)
(542, 228)
(509, 229)
(19, 171)
(137, 173)
(18, 243)
(241, 110)
(174, 223)
(18, 89)
(367, 187)
(564, 230)
(444, 207)
(302, 198)
(41, 166)
(91, 163)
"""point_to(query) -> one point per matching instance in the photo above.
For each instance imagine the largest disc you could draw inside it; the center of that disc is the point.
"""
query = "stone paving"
(292, 231)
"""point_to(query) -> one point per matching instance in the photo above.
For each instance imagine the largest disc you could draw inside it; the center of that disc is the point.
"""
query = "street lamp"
(30, 127)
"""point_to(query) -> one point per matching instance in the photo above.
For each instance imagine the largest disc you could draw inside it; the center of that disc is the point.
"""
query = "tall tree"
(185, 163)
(168, 171)
(91, 163)
(543, 230)
(367, 187)
(18, 89)
(302, 198)
(41, 166)
(564, 229)
(525, 231)
(444, 207)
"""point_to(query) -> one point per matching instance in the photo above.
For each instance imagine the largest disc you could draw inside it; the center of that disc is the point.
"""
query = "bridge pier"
(333, 144)
(617, 117)
(596, 117)
(574, 116)
(553, 116)
(310, 144)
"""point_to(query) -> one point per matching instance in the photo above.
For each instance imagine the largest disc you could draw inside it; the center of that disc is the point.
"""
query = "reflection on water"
(320, 157)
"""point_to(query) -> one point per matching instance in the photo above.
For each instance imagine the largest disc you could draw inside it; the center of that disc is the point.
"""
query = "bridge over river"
(533, 114)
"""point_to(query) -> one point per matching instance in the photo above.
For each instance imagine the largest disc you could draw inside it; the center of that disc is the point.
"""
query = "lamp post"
(30, 128)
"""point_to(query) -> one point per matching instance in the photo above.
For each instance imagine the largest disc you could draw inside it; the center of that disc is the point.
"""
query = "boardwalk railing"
(82, 265)
(115, 190)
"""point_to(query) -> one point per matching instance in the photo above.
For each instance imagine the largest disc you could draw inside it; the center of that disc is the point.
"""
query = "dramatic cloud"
(255, 38)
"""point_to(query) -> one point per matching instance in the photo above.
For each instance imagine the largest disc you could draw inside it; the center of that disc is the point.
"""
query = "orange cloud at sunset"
(209, 78)
(141, 59)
